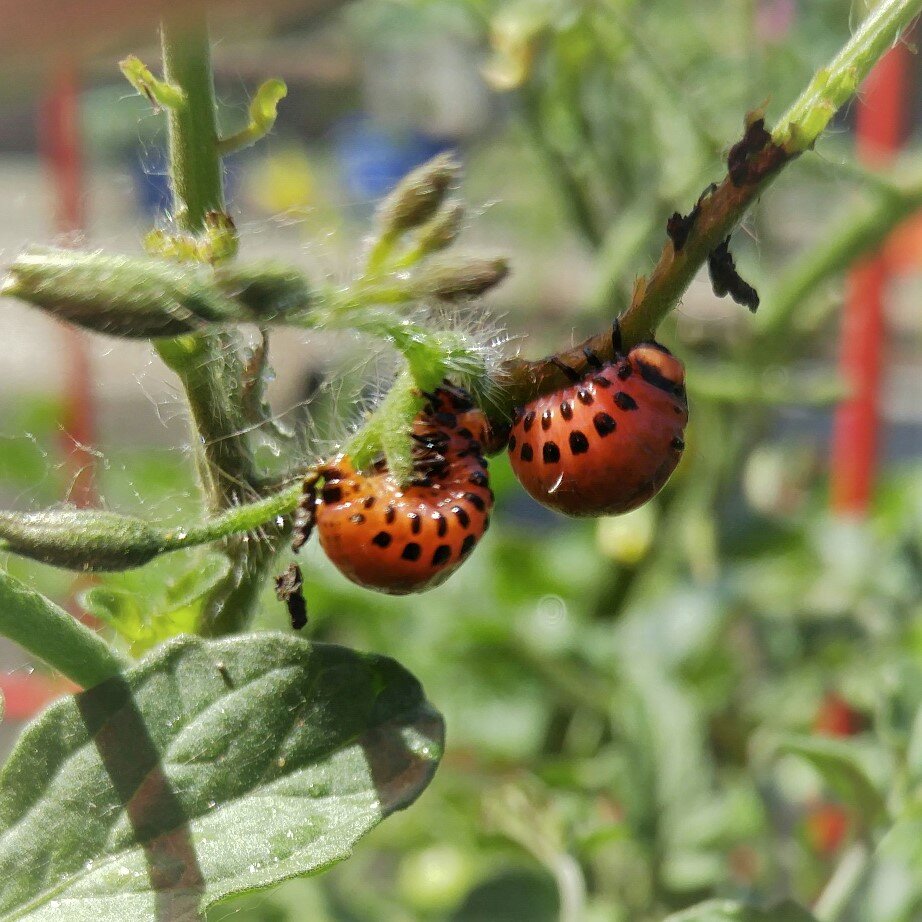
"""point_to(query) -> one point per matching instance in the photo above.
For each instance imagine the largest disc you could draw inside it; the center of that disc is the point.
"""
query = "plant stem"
(240, 520)
(861, 233)
(195, 166)
(51, 634)
(211, 365)
(844, 883)
(720, 211)
(832, 86)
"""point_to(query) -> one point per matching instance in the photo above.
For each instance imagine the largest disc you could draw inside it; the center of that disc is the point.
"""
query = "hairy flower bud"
(417, 197)
(267, 290)
(80, 539)
(442, 230)
(463, 280)
(120, 295)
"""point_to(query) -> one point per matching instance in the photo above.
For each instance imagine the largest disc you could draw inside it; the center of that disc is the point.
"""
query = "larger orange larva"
(608, 442)
(400, 539)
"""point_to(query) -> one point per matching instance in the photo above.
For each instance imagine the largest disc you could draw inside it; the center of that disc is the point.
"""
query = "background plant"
(635, 732)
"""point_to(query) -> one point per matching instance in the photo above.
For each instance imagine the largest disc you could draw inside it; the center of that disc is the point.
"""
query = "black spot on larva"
(479, 479)
(566, 410)
(331, 493)
(465, 433)
(332, 473)
(625, 401)
(526, 453)
(390, 514)
(604, 424)
(486, 525)
(550, 453)
(381, 539)
(579, 444)
(461, 516)
(677, 409)
(441, 554)
(584, 396)
(601, 381)
(448, 420)
(476, 501)
(369, 502)
(528, 421)
(357, 519)
(441, 524)
(415, 522)
(512, 443)
(624, 371)
(678, 444)
(411, 551)
(546, 418)
(467, 545)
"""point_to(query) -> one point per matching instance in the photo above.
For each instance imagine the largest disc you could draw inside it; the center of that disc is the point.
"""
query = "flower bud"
(464, 280)
(80, 539)
(418, 195)
(120, 295)
(441, 230)
(266, 290)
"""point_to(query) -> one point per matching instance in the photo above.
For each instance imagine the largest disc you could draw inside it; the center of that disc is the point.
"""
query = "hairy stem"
(195, 166)
(210, 364)
(51, 634)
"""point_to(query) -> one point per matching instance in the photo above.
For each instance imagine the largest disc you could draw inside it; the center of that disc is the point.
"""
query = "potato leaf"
(211, 768)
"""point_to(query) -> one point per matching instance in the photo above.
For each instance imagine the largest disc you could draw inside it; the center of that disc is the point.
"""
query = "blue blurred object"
(373, 159)
(148, 169)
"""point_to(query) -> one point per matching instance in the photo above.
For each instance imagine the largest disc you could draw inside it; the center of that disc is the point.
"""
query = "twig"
(51, 634)
(720, 210)
(844, 883)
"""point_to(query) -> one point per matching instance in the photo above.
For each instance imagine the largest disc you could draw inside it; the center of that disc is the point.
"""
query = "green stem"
(211, 365)
(386, 429)
(836, 83)
(195, 165)
(844, 883)
(861, 233)
(51, 634)
(240, 520)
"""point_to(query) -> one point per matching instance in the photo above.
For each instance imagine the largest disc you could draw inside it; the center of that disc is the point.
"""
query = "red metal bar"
(881, 130)
(61, 150)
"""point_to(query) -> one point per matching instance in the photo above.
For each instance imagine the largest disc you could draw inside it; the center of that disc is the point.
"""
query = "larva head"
(608, 443)
(655, 359)
(400, 539)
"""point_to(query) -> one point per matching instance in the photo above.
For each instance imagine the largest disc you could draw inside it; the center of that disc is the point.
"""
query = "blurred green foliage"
(632, 704)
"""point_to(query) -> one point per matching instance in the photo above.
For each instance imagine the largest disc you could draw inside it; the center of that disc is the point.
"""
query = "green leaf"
(731, 911)
(837, 761)
(211, 768)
